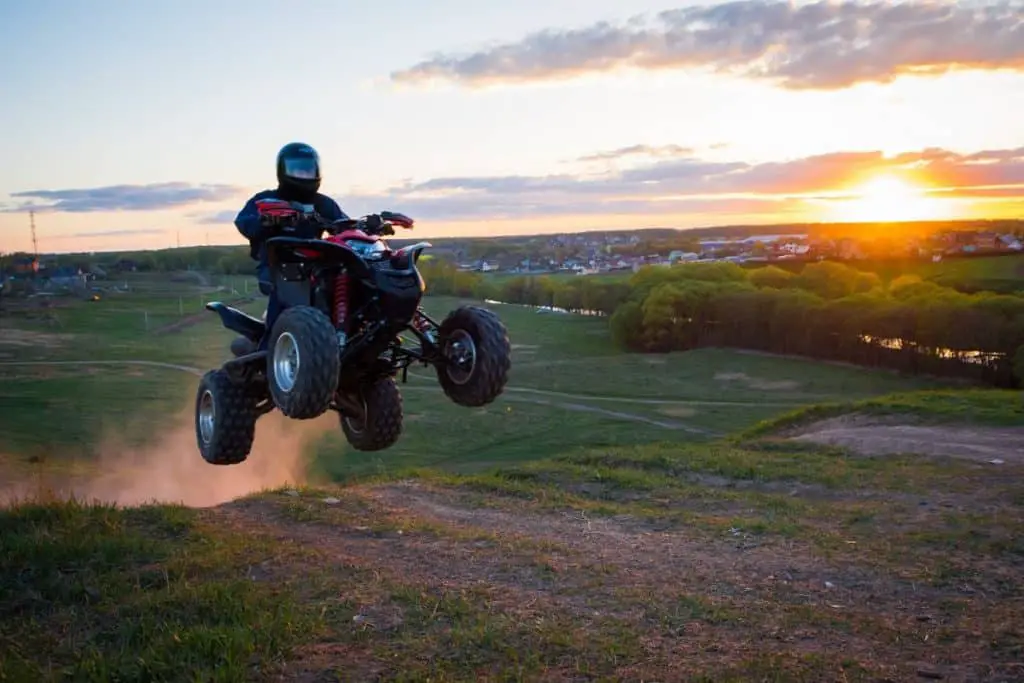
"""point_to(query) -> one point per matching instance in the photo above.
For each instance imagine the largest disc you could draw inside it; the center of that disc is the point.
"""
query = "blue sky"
(460, 114)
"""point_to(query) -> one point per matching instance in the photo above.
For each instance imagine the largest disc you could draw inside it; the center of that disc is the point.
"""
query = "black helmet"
(298, 170)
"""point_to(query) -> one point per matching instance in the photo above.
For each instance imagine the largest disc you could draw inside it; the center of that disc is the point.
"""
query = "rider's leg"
(241, 346)
(273, 307)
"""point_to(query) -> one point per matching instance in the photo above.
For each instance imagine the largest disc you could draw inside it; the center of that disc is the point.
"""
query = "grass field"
(610, 517)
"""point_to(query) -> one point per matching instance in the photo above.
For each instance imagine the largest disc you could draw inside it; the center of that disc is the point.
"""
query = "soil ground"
(873, 436)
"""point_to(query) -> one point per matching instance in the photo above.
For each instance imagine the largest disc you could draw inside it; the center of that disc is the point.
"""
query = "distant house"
(25, 265)
(1011, 242)
(847, 248)
(679, 255)
(66, 277)
(986, 241)
(126, 266)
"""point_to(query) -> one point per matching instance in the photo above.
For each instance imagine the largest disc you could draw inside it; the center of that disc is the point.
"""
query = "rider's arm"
(248, 219)
(331, 211)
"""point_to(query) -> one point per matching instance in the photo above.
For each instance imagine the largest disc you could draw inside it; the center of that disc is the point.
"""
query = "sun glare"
(887, 198)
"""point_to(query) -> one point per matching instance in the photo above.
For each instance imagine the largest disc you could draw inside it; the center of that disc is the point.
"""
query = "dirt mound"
(876, 436)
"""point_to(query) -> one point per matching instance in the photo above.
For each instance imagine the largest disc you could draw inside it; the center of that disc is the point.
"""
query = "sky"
(148, 124)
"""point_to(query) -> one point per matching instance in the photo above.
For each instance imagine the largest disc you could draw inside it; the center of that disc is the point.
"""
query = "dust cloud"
(169, 468)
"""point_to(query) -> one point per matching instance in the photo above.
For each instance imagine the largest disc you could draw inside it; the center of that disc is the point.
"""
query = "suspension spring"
(341, 302)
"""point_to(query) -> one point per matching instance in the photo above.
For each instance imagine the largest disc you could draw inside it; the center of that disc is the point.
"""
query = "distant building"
(25, 265)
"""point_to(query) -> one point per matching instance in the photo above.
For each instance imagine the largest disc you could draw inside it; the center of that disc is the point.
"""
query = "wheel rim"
(286, 361)
(460, 351)
(358, 426)
(207, 417)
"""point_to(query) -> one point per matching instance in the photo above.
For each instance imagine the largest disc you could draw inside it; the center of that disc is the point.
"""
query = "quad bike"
(337, 345)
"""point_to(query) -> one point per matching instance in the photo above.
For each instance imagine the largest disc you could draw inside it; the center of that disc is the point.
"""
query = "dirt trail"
(85, 363)
(629, 399)
(873, 436)
(696, 599)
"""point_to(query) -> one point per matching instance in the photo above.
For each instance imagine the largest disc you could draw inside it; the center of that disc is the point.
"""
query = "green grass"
(602, 398)
(992, 407)
(89, 592)
(993, 273)
(552, 535)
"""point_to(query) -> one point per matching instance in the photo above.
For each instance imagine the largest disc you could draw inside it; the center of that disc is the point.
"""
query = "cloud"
(151, 197)
(121, 233)
(218, 218)
(693, 185)
(639, 150)
(822, 46)
(127, 232)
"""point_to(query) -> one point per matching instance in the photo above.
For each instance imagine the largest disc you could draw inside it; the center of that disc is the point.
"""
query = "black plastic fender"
(238, 321)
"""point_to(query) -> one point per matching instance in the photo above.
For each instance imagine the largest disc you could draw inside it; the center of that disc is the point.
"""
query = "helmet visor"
(304, 168)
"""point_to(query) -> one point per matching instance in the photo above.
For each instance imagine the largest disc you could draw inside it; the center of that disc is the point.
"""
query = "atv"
(350, 320)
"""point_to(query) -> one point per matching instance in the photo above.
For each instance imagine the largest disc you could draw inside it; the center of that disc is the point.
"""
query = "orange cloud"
(690, 185)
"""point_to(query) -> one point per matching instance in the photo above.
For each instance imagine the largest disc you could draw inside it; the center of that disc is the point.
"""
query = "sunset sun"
(888, 198)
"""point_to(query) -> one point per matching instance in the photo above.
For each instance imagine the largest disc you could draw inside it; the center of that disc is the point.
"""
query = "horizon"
(780, 229)
(547, 119)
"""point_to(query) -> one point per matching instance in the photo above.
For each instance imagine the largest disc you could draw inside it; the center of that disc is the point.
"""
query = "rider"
(298, 180)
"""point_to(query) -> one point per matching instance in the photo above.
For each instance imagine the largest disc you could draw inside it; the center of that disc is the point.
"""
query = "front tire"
(381, 425)
(225, 417)
(477, 356)
(303, 363)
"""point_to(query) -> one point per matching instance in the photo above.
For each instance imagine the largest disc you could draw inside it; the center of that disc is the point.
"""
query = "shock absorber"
(341, 306)
(423, 326)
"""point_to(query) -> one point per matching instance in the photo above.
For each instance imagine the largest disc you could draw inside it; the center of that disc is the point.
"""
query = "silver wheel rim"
(286, 361)
(460, 351)
(207, 417)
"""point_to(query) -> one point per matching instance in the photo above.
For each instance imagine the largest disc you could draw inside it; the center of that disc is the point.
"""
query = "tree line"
(827, 311)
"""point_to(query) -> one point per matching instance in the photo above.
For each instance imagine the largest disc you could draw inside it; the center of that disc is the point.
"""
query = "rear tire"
(478, 356)
(225, 417)
(303, 362)
(382, 423)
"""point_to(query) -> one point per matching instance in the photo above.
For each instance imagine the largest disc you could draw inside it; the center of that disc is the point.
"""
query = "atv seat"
(238, 321)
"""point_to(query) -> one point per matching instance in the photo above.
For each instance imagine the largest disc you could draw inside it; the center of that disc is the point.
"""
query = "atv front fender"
(238, 321)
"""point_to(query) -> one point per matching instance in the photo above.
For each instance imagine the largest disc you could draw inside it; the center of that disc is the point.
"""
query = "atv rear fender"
(283, 250)
(238, 321)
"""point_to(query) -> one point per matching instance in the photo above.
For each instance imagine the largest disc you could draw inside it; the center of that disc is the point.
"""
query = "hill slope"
(663, 562)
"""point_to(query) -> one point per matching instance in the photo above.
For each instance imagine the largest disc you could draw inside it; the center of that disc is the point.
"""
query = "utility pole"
(32, 224)
(35, 244)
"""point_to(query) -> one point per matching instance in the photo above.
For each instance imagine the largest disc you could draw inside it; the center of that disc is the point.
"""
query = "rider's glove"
(373, 225)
